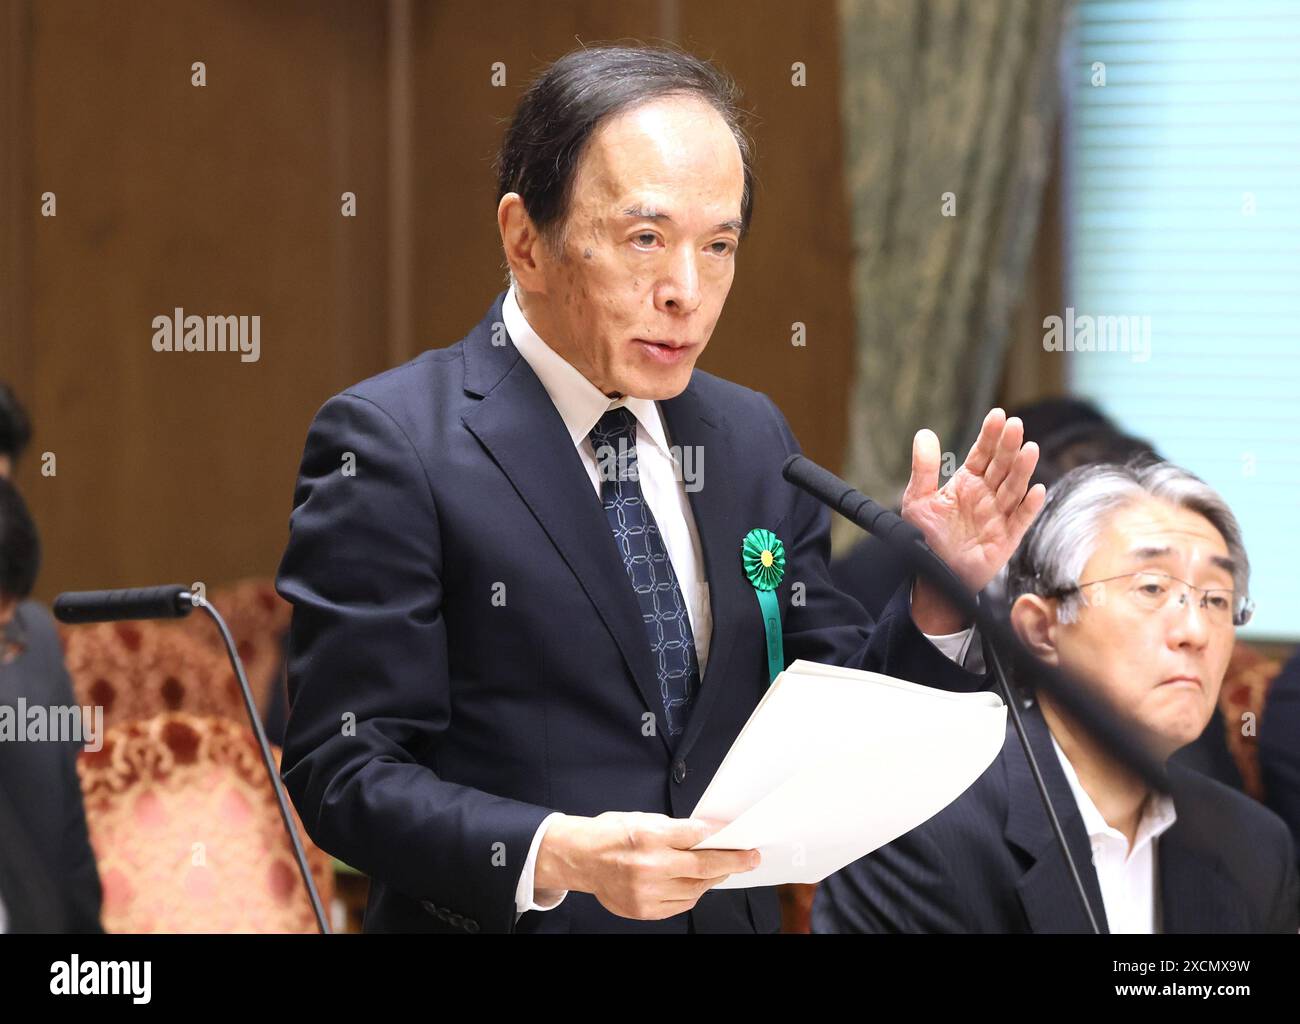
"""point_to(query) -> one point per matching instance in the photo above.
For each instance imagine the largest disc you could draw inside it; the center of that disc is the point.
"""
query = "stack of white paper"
(836, 762)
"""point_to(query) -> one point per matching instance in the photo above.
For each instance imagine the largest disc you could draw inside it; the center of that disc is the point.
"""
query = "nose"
(679, 291)
(1189, 624)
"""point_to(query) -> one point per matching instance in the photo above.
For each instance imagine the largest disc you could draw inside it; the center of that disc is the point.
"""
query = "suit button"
(679, 770)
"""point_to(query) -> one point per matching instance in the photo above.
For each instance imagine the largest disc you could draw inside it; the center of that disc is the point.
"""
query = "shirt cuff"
(957, 647)
(526, 898)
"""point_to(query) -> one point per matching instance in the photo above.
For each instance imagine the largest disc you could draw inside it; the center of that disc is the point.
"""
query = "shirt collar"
(579, 402)
(1157, 813)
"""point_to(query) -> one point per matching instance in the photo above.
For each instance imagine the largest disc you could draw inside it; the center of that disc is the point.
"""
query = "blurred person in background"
(48, 878)
(1279, 746)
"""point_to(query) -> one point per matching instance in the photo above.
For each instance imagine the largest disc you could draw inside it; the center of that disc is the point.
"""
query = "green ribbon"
(763, 557)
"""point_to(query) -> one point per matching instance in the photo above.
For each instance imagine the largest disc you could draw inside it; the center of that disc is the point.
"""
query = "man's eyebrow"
(1226, 564)
(650, 213)
(1219, 561)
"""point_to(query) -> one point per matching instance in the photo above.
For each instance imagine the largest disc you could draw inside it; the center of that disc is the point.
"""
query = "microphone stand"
(994, 660)
(268, 760)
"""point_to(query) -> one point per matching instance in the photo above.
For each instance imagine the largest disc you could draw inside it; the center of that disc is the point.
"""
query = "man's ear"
(8, 605)
(521, 243)
(1034, 620)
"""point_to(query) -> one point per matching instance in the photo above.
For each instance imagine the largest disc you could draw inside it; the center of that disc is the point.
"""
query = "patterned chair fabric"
(187, 832)
(136, 670)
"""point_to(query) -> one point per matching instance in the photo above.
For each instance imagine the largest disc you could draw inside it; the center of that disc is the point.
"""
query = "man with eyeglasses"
(1135, 578)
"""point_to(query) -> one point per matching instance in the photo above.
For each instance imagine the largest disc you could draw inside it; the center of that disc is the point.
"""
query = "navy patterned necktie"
(663, 609)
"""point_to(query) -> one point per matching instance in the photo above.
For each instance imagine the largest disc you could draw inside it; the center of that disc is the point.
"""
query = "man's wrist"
(557, 865)
(933, 614)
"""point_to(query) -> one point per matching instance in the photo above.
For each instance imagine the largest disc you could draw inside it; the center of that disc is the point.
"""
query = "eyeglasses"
(1153, 592)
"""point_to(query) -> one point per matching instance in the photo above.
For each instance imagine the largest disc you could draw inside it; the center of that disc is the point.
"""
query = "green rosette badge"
(763, 557)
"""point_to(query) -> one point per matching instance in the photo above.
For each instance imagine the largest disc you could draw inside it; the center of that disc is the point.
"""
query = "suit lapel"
(691, 424)
(1046, 890)
(518, 424)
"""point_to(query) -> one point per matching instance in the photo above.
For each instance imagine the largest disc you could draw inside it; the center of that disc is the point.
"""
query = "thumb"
(926, 457)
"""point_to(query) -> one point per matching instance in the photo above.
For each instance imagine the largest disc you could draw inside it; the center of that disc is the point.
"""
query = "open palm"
(977, 519)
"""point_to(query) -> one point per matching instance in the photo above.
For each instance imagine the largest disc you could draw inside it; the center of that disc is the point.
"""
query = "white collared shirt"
(1127, 877)
(581, 405)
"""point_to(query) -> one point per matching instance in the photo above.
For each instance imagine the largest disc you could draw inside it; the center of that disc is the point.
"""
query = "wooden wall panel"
(220, 200)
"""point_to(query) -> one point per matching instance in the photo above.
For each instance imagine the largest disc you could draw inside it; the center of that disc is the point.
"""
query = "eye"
(1152, 588)
(647, 234)
(726, 248)
(1219, 602)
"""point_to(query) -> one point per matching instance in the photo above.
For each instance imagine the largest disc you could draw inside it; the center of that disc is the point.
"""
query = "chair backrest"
(1241, 702)
(136, 670)
(187, 832)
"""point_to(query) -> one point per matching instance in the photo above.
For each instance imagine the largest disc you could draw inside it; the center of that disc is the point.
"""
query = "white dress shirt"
(1127, 877)
(581, 405)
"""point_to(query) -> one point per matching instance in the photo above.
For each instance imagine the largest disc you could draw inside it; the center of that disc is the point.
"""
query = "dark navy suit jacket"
(432, 728)
(988, 862)
(49, 881)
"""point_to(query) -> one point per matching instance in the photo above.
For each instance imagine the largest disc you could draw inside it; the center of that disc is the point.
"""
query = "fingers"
(711, 863)
(926, 458)
(986, 445)
(689, 888)
(1012, 490)
(1004, 457)
(1024, 515)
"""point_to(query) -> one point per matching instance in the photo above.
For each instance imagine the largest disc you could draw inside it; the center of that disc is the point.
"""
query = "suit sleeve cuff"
(526, 898)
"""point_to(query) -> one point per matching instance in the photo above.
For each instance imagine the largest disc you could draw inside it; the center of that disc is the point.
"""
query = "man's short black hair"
(571, 98)
(15, 427)
(20, 546)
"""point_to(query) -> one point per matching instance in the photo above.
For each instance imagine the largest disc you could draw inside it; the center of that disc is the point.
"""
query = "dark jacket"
(48, 878)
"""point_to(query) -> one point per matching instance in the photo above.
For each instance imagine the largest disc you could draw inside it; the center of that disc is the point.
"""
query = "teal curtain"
(949, 111)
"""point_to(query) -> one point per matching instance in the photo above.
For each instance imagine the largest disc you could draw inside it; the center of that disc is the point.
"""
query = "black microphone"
(880, 522)
(168, 602)
(1076, 696)
(173, 601)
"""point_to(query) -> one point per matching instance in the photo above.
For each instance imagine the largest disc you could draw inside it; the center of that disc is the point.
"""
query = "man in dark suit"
(523, 638)
(48, 877)
(1136, 577)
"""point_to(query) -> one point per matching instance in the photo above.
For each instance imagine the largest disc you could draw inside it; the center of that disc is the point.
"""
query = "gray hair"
(1064, 536)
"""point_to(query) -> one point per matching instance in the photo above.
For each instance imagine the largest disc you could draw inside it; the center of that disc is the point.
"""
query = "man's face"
(1165, 667)
(650, 249)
